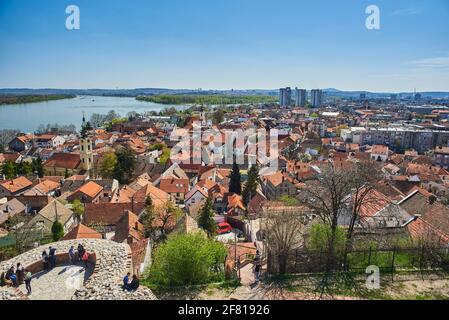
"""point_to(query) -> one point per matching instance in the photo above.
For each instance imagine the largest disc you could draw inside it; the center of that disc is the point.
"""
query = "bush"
(57, 230)
(320, 235)
(190, 259)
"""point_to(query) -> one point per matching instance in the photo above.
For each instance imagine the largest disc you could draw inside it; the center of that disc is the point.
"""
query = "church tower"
(86, 153)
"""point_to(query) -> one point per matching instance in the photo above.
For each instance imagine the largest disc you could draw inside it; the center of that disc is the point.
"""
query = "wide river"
(27, 117)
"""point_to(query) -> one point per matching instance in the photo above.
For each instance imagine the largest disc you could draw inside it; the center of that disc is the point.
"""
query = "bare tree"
(283, 231)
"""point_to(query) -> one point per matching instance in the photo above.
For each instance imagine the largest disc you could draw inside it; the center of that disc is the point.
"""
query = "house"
(379, 153)
(87, 193)
(441, 157)
(104, 217)
(176, 188)
(54, 211)
(235, 205)
(14, 187)
(278, 185)
(10, 209)
(48, 141)
(158, 196)
(80, 231)
(194, 196)
(21, 143)
(46, 187)
(128, 229)
(61, 163)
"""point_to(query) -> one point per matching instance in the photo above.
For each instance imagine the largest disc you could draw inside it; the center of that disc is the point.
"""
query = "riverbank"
(34, 98)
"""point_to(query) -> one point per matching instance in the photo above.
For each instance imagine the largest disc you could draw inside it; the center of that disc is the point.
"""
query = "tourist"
(85, 258)
(257, 259)
(257, 272)
(28, 277)
(134, 284)
(11, 275)
(52, 257)
(3, 281)
(80, 250)
(45, 260)
(72, 255)
(20, 274)
(126, 281)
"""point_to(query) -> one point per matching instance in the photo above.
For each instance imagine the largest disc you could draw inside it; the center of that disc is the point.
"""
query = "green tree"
(206, 219)
(107, 165)
(126, 163)
(38, 167)
(78, 208)
(250, 189)
(235, 185)
(9, 170)
(320, 236)
(57, 231)
(147, 218)
(189, 259)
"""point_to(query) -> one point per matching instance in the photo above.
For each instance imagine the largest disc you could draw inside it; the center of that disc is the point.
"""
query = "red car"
(224, 228)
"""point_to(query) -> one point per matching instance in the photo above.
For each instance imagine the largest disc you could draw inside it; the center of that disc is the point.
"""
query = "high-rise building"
(300, 100)
(317, 98)
(285, 96)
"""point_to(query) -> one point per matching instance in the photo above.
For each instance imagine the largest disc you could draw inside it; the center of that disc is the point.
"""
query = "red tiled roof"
(17, 184)
(82, 232)
(64, 160)
(172, 185)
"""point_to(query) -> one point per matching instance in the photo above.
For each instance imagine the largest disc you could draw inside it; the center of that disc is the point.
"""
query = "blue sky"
(224, 44)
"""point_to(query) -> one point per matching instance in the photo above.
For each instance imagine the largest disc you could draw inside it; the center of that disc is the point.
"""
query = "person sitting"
(126, 281)
(11, 275)
(4, 281)
(134, 284)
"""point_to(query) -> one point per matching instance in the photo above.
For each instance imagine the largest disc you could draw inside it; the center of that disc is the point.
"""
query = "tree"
(126, 163)
(147, 218)
(107, 165)
(189, 259)
(9, 170)
(78, 208)
(38, 167)
(335, 194)
(235, 185)
(283, 231)
(250, 189)
(218, 116)
(6, 136)
(57, 231)
(206, 219)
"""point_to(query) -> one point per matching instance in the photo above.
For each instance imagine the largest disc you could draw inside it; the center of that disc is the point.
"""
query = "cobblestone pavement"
(57, 284)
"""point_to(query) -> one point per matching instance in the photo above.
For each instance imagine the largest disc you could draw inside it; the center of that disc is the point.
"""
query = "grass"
(183, 292)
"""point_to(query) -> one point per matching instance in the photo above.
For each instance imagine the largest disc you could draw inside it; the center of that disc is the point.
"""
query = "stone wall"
(112, 262)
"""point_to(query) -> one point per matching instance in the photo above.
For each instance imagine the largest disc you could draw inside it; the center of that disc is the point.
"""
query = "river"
(27, 117)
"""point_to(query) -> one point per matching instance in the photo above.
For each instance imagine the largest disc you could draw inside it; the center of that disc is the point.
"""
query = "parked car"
(223, 228)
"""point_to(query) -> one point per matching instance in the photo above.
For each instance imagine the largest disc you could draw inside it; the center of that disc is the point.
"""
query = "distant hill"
(163, 91)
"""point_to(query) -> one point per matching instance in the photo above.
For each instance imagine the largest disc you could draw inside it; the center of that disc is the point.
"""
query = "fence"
(390, 261)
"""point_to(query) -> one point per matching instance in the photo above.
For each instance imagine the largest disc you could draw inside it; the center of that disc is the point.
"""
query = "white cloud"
(437, 62)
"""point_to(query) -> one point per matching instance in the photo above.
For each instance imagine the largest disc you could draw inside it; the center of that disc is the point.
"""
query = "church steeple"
(86, 153)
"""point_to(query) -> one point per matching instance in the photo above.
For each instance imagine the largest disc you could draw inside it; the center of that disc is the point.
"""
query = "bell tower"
(86, 153)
